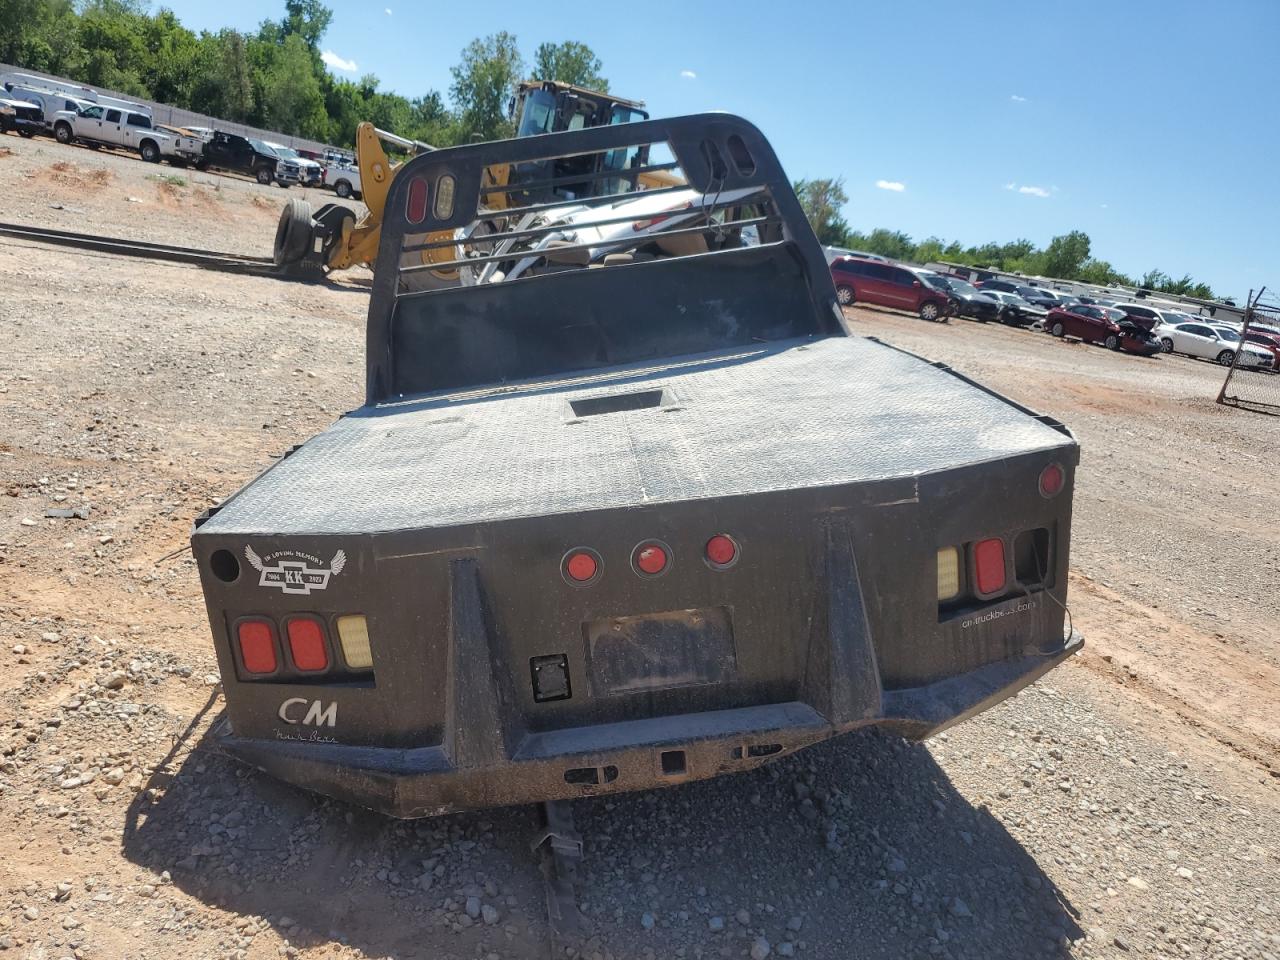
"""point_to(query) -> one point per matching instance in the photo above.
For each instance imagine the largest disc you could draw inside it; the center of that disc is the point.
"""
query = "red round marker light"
(650, 559)
(581, 566)
(721, 550)
(1052, 480)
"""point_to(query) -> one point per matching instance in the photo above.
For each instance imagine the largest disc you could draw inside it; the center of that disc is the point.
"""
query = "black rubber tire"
(343, 189)
(845, 295)
(26, 133)
(62, 132)
(930, 311)
(1058, 330)
(293, 232)
(93, 146)
(202, 165)
(1112, 342)
(1226, 357)
(1166, 345)
(149, 151)
(263, 174)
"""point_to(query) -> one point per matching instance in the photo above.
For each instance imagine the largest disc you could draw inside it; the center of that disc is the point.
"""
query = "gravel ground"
(1125, 806)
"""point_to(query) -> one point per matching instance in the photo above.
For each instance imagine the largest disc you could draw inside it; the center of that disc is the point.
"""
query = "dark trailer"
(606, 528)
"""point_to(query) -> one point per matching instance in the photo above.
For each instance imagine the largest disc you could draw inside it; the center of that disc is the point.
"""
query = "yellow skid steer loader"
(333, 238)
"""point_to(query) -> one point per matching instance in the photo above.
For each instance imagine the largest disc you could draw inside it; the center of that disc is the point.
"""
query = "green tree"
(1065, 255)
(1154, 280)
(1101, 273)
(929, 250)
(822, 201)
(54, 44)
(221, 83)
(432, 122)
(20, 25)
(483, 83)
(294, 104)
(893, 244)
(569, 62)
(308, 19)
(111, 33)
(172, 51)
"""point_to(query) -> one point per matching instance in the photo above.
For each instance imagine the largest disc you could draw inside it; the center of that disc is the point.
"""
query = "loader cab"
(547, 106)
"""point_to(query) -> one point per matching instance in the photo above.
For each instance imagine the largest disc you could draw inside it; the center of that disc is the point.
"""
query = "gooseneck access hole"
(616, 403)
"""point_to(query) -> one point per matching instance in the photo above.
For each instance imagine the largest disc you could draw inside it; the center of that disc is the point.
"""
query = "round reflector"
(721, 550)
(650, 558)
(1052, 479)
(581, 566)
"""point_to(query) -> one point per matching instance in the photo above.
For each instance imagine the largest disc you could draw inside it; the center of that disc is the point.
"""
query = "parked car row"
(1134, 328)
(32, 105)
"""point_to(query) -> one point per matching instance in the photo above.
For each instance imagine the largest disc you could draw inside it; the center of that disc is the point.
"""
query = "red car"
(1268, 341)
(1105, 325)
(887, 285)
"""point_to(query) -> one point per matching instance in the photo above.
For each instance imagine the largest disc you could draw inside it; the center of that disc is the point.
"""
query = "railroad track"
(208, 259)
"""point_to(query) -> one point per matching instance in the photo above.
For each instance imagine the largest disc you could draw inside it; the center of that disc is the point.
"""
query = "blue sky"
(1152, 126)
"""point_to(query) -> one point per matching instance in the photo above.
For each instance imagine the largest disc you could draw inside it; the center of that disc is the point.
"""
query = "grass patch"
(172, 179)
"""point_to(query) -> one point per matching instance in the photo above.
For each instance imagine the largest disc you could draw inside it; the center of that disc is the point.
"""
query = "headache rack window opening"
(601, 201)
(623, 242)
(521, 234)
(571, 179)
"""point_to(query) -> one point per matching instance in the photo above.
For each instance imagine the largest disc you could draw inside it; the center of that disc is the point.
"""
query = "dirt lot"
(1126, 806)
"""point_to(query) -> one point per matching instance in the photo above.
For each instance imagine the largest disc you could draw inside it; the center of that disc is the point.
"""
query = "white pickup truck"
(345, 180)
(97, 125)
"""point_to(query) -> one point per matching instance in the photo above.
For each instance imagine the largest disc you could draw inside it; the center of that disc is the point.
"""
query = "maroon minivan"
(887, 285)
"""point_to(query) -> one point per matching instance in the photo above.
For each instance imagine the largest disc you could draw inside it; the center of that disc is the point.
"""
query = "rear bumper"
(620, 757)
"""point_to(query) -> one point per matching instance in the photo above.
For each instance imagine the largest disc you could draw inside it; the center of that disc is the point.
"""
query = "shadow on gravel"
(860, 847)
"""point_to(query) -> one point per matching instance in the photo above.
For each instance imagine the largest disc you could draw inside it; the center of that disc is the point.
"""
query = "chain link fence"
(1250, 385)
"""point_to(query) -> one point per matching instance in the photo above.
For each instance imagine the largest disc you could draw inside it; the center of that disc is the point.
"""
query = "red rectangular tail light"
(306, 643)
(989, 567)
(257, 646)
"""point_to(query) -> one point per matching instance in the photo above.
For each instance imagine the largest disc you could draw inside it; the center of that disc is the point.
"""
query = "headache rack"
(604, 231)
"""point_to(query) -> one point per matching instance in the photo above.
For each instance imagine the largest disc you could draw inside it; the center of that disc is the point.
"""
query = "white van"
(46, 100)
(69, 90)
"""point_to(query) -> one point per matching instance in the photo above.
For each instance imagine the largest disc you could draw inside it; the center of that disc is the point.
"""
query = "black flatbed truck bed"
(444, 514)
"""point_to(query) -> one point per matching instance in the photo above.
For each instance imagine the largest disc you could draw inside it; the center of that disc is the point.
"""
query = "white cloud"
(387, 11)
(893, 185)
(1029, 190)
(335, 62)
(688, 75)
(1017, 99)
(1103, 206)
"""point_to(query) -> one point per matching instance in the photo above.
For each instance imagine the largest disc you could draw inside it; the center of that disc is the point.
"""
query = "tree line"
(1067, 257)
(274, 78)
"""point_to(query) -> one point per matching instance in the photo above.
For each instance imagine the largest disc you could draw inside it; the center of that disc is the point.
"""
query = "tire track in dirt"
(1208, 682)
